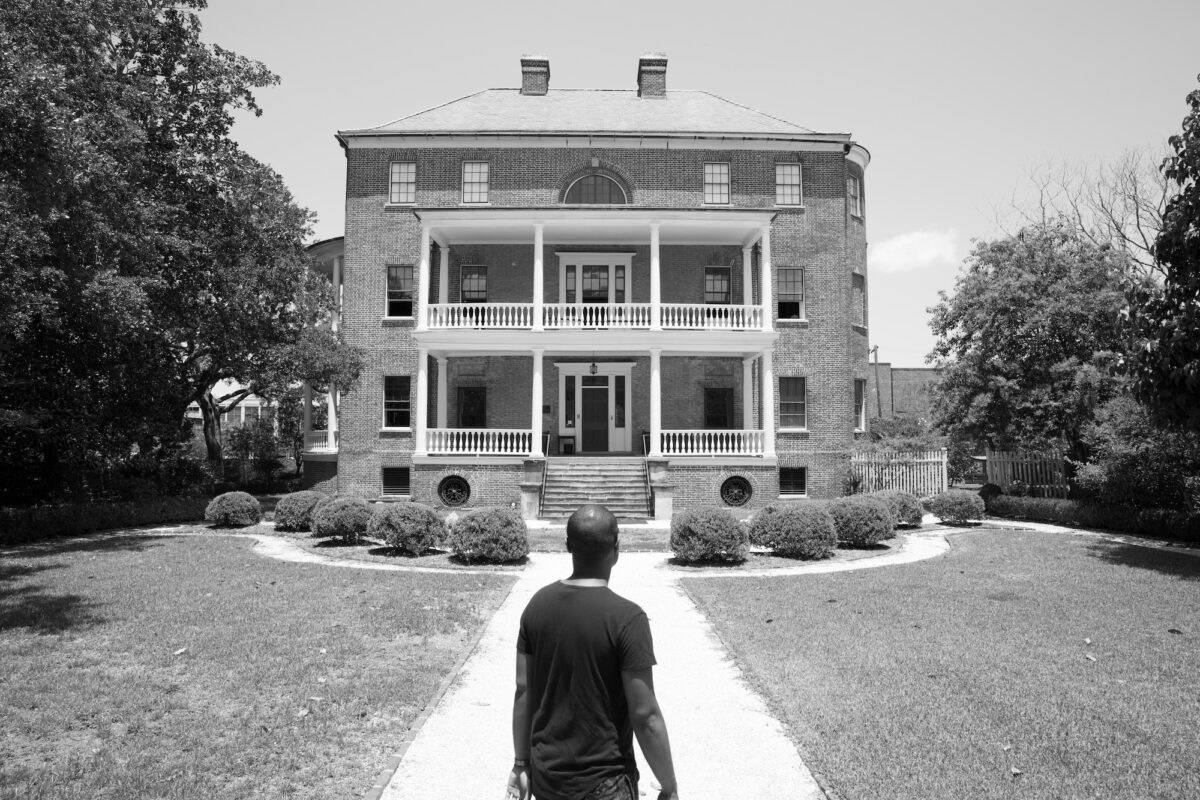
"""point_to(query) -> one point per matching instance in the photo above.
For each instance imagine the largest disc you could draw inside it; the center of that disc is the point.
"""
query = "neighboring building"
(665, 283)
(899, 391)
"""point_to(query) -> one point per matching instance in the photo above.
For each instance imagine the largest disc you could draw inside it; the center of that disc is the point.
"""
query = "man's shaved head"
(591, 533)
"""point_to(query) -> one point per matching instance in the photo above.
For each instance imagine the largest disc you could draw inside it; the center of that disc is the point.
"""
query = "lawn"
(1021, 664)
(144, 666)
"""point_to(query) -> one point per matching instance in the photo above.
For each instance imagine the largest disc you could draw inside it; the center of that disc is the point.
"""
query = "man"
(585, 682)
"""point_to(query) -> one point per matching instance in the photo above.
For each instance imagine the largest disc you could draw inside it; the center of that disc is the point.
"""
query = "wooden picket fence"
(921, 472)
(1044, 473)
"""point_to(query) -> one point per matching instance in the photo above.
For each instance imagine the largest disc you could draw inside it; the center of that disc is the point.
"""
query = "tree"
(1028, 342)
(1165, 320)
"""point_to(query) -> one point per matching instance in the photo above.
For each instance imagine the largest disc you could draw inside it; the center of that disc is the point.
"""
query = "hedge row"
(1159, 522)
(20, 525)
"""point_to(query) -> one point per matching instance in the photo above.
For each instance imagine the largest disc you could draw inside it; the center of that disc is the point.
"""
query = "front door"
(594, 423)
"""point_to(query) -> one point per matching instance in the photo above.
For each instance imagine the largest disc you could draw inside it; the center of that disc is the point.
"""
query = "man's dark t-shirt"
(578, 639)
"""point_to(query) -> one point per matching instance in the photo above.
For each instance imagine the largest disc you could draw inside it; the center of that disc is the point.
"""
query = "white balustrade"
(712, 443)
(481, 315)
(319, 440)
(479, 441)
(704, 316)
(596, 315)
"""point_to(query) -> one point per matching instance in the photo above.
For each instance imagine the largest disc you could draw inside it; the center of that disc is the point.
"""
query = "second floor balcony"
(596, 316)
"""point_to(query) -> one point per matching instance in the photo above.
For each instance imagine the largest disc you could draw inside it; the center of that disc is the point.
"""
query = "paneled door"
(594, 423)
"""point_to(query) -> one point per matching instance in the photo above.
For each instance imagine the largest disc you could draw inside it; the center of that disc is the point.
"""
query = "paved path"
(725, 741)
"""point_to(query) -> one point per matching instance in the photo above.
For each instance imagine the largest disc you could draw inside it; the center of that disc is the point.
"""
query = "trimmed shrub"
(989, 492)
(344, 517)
(409, 527)
(294, 512)
(1156, 522)
(795, 530)
(20, 525)
(957, 506)
(233, 510)
(905, 507)
(708, 534)
(861, 520)
(489, 536)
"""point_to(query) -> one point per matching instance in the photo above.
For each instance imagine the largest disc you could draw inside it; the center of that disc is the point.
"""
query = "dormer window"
(596, 190)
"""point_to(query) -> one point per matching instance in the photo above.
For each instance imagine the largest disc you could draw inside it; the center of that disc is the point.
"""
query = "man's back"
(578, 639)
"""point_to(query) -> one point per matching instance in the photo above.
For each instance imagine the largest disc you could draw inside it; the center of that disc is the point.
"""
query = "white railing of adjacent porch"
(319, 440)
(479, 441)
(713, 443)
(481, 315)
(703, 316)
(597, 315)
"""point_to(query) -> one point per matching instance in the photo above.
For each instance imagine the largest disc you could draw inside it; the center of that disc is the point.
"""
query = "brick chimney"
(535, 75)
(652, 75)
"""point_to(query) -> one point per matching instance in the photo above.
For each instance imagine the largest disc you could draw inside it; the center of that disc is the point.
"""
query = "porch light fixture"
(593, 368)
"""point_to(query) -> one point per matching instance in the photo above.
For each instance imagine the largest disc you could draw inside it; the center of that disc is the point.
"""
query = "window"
(472, 407)
(399, 290)
(788, 189)
(716, 183)
(402, 183)
(395, 480)
(858, 300)
(596, 190)
(793, 480)
(395, 401)
(718, 408)
(860, 405)
(474, 284)
(716, 285)
(854, 195)
(793, 402)
(791, 293)
(475, 182)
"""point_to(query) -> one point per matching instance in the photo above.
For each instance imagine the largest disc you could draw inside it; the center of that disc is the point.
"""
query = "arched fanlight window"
(597, 190)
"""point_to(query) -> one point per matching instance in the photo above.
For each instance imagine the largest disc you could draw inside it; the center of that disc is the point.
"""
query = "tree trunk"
(211, 413)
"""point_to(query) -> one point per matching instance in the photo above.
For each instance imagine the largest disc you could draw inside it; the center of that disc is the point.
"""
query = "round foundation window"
(454, 490)
(736, 491)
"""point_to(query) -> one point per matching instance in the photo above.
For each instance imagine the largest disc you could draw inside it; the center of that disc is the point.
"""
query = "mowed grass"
(972, 675)
(143, 666)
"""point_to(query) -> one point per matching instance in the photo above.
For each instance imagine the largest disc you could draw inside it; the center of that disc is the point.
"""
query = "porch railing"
(713, 443)
(479, 441)
(481, 315)
(597, 315)
(319, 440)
(704, 316)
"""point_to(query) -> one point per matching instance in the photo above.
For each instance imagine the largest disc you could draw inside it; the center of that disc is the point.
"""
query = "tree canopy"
(1028, 340)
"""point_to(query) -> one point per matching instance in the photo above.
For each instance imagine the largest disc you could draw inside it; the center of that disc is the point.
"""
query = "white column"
(442, 387)
(423, 282)
(747, 394)
(335, 322)
(443, 273)
(331, 416)
(307, 411)
(538, 279)
(655, 403)
(747, 276)
(768, 405)
(535, 446)
(765, 282)
(420, 447)
(655, 285)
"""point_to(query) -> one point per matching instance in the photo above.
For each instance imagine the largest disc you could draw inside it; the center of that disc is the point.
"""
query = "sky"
(958, 101)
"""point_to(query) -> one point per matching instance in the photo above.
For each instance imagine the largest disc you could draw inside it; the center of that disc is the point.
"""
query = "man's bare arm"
(650, 727)
(518, 779)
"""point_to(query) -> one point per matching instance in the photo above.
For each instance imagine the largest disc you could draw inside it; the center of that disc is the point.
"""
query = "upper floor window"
(596, 189)
(791, 293)
(860, 405)
(854, 195)
(858, 290)
(475, 182)
(789, 191)
(716, 183)
(716, 285)
(396, 401)
(793, 402)
(474, 284)
(402, 183)
(399, 290)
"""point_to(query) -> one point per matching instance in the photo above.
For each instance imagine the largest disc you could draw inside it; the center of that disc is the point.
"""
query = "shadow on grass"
(91, 543)
(397, 553)
(1169, 562)
(26, 605)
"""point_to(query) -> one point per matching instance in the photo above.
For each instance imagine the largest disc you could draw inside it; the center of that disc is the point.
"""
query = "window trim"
(705, 184)
(803, 296)
(804, 402)
(393, 183)
(856, 208)
(462, 283)
(799, 183)
(387, 291)
(383, 483)
(860, 410)
(408, 400)
(860, 318)
(729, 393)
(487, 184)
(580, 260)
(728, 282)
(567, 193)
(793, 494)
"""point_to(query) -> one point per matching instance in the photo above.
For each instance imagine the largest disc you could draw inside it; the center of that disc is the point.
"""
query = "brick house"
(641, 297)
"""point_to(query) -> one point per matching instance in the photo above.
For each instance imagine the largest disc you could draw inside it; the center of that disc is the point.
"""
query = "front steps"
(618, 484)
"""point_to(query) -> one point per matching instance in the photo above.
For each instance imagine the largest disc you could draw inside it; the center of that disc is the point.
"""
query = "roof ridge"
(426, 110)
(755, 110)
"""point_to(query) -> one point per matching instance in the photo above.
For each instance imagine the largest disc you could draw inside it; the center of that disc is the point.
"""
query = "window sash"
(791, 293)
(399, 290)
(858, 290)
(475, 182)
(716, 183)
(718, 408)
(860, 405)
(854, 195)
(793, 480)
(717, 285)
(473, 288)
(595, 190)
(396, 480)
(793, 402)
(789, 187)
(396, 402)
(402, 182)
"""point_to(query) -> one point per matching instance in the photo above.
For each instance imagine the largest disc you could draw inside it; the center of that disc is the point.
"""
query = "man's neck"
(576, 581)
